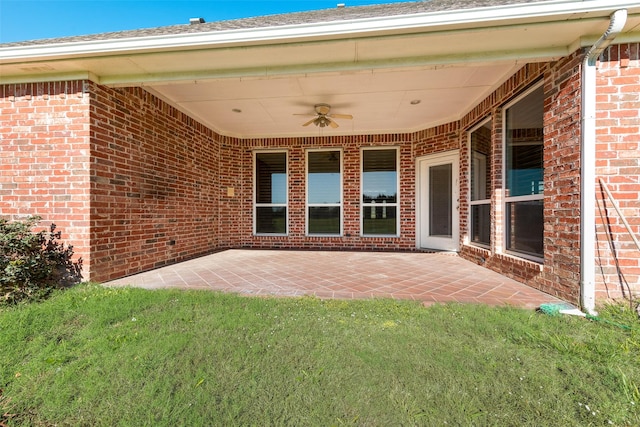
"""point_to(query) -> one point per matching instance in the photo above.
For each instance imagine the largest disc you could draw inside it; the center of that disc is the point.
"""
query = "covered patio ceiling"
(393, 75)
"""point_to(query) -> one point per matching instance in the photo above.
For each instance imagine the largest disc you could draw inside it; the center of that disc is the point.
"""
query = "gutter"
(544, 11)
(588, 162)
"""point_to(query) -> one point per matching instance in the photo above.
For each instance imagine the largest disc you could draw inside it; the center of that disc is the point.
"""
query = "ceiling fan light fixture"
(323, 118)
(322, 121)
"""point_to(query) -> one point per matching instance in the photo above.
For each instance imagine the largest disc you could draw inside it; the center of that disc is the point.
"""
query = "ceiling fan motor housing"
(322, 109)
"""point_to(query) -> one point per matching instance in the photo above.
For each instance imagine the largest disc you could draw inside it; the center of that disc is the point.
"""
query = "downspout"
(588, 162)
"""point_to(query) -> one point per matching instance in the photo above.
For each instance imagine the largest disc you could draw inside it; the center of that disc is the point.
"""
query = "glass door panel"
(441, 200)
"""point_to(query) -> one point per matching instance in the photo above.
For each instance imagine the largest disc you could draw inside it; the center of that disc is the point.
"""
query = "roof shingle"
(297, 18)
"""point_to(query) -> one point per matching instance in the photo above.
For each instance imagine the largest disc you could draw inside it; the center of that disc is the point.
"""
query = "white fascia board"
(479, 58)
(627, 38)
(428, 21)
(53, 77)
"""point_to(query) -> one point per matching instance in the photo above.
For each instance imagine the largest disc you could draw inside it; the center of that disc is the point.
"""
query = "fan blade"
(307, 114)
(341, 116)
(332, 123)
(309, 122)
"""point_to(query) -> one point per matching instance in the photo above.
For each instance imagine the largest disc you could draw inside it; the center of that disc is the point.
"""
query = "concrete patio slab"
(426, 277)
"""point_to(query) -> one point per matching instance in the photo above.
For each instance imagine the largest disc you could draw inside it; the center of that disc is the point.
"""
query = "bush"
(34, 264)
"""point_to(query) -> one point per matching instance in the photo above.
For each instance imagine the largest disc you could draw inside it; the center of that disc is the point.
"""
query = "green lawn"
(98, 356)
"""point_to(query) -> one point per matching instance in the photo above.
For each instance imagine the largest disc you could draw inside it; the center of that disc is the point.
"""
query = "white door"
(438, 200)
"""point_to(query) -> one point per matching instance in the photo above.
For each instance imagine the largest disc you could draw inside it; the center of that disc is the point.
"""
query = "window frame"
(361, 195)
(308, 205)
(506, 200)
(488, 162)
(257, 205)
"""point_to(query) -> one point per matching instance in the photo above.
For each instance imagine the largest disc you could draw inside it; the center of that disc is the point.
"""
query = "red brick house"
(492, 128)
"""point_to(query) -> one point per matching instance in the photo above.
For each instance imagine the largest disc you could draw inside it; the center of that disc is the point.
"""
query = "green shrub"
(33, 264)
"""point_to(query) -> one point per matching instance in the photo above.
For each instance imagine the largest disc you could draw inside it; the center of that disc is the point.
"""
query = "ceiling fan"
(323, 118)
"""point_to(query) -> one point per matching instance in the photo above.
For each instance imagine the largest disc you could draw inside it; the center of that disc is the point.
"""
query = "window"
(324, 192)
(270, 188)
(380, 191)
(480, 204)
(524, 173)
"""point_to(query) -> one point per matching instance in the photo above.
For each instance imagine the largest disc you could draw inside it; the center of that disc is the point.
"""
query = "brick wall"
(44, 160)
(351, 238)
(235, 192)
(559, 272)
(562, 135)
(155, 186)
(143, 185)
(618, 165)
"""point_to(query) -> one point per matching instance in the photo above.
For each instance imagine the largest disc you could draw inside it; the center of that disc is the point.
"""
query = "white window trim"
(260, 205)
(307, 205)
(396, 205)
(469, 199)
(506, 200)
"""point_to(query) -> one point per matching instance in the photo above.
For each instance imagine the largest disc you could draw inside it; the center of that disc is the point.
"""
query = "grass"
(105, 356)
